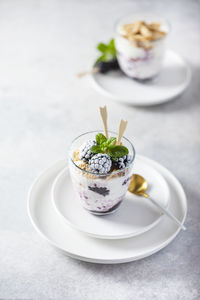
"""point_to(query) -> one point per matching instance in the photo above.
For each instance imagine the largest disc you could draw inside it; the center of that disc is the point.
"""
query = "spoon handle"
(166, 212)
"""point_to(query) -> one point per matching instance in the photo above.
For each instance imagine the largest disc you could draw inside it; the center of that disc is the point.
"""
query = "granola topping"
(142, 34)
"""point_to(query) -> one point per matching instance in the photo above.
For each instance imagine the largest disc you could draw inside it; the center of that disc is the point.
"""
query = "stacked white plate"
(136, 230)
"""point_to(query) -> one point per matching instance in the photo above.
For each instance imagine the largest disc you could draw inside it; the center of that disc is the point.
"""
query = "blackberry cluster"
(85, 152)
(106, 66)
(123, 162)
(100, 163)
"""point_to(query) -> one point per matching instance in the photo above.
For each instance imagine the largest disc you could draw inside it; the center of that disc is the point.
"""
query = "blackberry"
(123, 161)
(114, 64)
(100, 163)
(85, 153)
(106, 66)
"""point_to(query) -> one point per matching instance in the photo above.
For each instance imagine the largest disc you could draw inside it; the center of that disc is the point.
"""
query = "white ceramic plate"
(54, 229)
(172, 81)
(134, 216)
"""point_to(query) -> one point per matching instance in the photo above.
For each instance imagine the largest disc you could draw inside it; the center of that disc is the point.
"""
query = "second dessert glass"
(99, 194)
(140, 62)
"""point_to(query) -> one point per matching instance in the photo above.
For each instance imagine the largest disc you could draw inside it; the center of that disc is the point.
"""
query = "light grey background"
(43, 44)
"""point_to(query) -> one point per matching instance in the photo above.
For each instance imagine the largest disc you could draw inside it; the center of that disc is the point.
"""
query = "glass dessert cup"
(140, 62)
(99, 194)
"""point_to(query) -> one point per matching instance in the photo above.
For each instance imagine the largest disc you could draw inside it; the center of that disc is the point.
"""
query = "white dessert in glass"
(140, 44)
(100, 193)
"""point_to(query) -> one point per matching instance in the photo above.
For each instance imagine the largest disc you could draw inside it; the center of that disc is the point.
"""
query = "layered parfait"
(100, 168)
(140, 46)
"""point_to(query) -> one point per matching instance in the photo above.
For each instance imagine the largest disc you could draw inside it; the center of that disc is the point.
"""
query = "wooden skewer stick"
(93, 71)
(122, 128)
(103, 113)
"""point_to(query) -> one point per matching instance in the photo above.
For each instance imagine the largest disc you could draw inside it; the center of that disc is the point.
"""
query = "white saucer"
(77, 245)
(172, 81)
(135, 216)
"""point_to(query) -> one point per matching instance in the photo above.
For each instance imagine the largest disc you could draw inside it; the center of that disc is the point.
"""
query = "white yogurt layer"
(138, 62)
(100, 194)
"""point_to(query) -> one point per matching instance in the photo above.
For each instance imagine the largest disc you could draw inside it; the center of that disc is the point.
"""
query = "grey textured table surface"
(43, 106)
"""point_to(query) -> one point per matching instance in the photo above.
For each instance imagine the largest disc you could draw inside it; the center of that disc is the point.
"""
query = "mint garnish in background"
(108, 51)
(108, 146)
(106, 62)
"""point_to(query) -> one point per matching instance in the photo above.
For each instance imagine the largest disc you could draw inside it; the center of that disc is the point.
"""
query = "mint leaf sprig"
(108, 51)
(108, 146)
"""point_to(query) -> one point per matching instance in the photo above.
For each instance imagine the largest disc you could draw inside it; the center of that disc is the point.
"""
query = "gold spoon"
(139, 185)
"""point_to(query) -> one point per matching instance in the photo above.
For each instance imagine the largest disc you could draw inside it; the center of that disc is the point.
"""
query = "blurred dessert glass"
(140, 43)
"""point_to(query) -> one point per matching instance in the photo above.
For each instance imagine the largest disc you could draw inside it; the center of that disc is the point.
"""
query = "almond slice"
(127, 28)
(136, 27)
(154, 26)
(145, 31)
(158, 35)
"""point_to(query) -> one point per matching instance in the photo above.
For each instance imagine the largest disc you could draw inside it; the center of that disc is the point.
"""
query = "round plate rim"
(143, 102)
(99, 260)
(147, 228)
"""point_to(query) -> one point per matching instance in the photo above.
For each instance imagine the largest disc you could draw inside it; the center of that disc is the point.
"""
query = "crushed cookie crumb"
(76, 155)
(85, 167)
